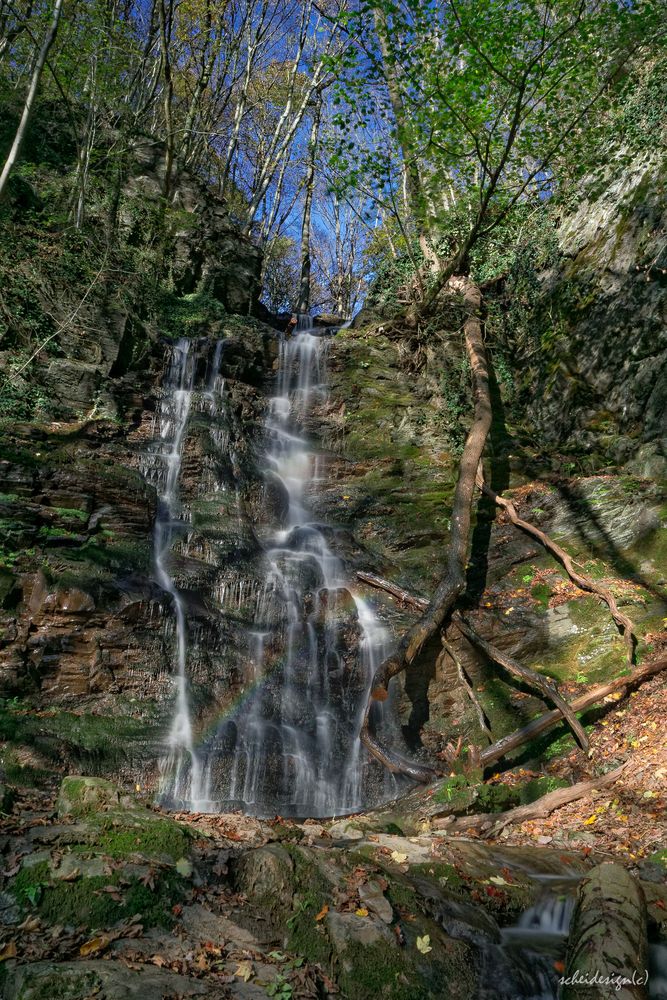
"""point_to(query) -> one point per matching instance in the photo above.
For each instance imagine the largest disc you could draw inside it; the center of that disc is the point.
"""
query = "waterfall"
(293, 746)
(180, 768)
(305, 642)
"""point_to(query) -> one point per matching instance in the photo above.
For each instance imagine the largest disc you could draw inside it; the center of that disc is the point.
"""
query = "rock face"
(603, 321)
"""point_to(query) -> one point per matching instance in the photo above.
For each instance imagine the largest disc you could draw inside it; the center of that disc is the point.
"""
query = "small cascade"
(293, 747)
(181, 772)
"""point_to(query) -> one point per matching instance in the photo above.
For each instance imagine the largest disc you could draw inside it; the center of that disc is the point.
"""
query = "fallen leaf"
(159, 960)
(398, 857)
(95, 945)
(361, 912)
(424, 944)
(322, 914)
(70, 876)
(244, 971)
(559, 966)
(9, 951)
(184, 867)
(498, 880)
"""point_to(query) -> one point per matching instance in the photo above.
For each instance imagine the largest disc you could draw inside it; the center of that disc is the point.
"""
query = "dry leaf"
(244, 971)
(398, 857)
(322, 914)
(361, 912)
(424, 944)
(9, 951)
(71, 876)
(96, 944)
(497, 880)
(159, 960)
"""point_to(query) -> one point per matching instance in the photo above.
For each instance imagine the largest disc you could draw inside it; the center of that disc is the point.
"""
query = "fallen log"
(622, 621)
(491, 823)
(543, 684)
(520, 736)
(607, 954)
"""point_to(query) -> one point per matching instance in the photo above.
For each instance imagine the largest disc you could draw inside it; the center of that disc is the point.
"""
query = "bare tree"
(49, 38)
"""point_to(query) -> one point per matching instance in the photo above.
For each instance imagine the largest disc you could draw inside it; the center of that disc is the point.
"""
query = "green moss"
(61, 984)
(83, 902)
(154, 838)
(305, 935)
(455, 791)
(439, 870)
(659, 858)
(93, 741)
(541, 592)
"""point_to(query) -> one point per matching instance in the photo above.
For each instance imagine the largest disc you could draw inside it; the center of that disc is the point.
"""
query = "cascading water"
(293, 748)
(180, 768)
(310, 644)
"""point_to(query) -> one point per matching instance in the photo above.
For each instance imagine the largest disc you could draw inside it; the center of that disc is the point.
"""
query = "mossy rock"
(109, 979)
(81, 796)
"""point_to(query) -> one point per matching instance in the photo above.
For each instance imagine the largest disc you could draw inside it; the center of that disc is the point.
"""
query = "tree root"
(535, 728)
(452, 584)
(490, 824)
(469, 689)
(543, 684)
(624, 623)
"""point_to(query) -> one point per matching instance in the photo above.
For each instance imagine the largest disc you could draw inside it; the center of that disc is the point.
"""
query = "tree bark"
(608, 938)
(303, 303)
(453, 582)
(13, 154)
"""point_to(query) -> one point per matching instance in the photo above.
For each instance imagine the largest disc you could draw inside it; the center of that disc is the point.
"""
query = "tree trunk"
(607, 955)
(49, 38)
(453, 582)
(303, 304)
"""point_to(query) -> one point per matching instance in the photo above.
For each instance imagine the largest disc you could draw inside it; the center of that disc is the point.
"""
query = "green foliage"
(188, 315)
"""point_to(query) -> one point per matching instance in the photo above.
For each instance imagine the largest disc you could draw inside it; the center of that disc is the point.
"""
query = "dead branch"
(492, 823)
(535, 680)
(404, 596)
(584, 701)
(469, 689)
(624, 623)
(453, 582)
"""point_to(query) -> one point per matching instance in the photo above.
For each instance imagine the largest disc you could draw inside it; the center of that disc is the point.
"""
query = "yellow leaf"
(346, 497)
(498, 880)
(361, 912)
(590, 820)
(95, 944)
(244, 971)
(509, 611)
(322, 914)
(424, 944)
(398, 857)
(9, 951)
